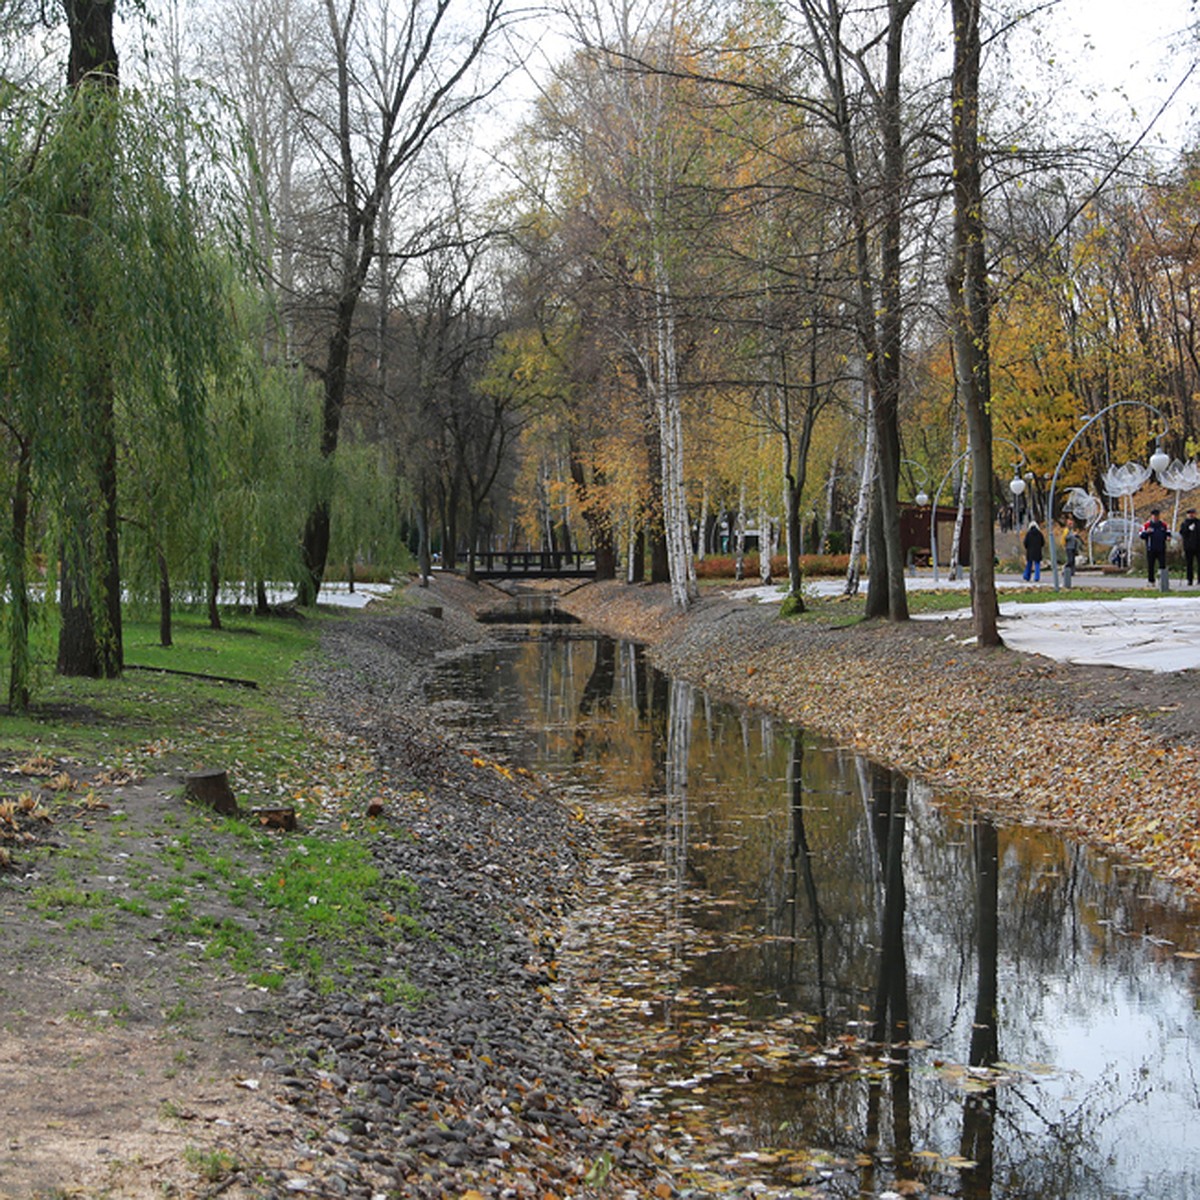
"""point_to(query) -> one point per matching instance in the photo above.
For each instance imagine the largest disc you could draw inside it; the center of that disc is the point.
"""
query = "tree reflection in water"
(802, 888)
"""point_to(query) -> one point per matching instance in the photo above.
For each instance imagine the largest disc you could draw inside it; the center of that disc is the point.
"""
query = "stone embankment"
(473, 1084)
(1105, 755)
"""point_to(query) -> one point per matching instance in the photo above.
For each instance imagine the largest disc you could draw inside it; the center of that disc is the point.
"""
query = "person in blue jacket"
(1156, 535)
(1035, 544)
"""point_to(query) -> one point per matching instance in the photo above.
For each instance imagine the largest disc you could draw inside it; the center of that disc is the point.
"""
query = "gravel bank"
(1106, 755)
(480, 1085)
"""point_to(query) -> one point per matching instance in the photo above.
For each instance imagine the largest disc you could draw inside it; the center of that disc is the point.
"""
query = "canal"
(812, 977)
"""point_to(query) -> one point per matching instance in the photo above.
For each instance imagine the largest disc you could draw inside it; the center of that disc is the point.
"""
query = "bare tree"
(378, 90)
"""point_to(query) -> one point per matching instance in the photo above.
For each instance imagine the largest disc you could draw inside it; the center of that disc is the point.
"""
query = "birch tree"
(622, 112)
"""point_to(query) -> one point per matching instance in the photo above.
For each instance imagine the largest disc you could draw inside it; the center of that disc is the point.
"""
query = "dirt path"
(128, 1055)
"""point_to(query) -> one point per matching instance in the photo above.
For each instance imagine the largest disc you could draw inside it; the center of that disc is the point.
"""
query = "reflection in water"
(1039, 1020)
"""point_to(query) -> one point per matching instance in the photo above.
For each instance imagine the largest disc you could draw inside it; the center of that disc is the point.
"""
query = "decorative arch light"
(1016, 485)
(1118, 481)
(1083, 505)
(1124, 481)
(1180, 477)
(922, 499)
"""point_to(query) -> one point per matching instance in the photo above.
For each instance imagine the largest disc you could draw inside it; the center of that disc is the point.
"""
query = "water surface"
(767, 901)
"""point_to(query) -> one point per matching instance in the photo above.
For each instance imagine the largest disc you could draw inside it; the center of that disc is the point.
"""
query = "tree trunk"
(660, 571)
(791, 496)
(969, 302)
(637, 555)
(214, 584)
(887, 395)
(18, 585)
(830, 494)
(739, 553)
(164, 601)
(862, 507)
(90, 635)
(680, 564)
(424, 553)
(877, 583)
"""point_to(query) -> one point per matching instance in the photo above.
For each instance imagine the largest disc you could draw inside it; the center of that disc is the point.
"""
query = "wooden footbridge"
(531, 564)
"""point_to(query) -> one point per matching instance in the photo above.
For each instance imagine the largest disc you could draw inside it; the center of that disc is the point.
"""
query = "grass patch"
(56, 898)
(211, 1165)
(328, 907)
(144, 716)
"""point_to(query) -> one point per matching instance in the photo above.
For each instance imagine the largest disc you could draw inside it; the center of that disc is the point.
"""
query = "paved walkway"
(1157, 632)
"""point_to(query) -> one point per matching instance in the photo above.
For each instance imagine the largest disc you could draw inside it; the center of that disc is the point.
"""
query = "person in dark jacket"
(1035, 544)
(1189, 537)
(1156, 535)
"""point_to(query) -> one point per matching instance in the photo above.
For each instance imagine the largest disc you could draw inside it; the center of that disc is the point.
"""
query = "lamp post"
(921, 498)
(1159, 461)
(1016, 486)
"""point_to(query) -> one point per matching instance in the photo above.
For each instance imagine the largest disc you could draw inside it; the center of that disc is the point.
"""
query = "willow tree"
(114, 326)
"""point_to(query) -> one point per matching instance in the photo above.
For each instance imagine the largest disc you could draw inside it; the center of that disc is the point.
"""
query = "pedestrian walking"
(1071, 547)
(1156, 535)
(1189, 538)
(1035, 544)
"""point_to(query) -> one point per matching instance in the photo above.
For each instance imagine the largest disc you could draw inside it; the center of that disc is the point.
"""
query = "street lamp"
(922, 497)
(1159, 462)
(1016, 486)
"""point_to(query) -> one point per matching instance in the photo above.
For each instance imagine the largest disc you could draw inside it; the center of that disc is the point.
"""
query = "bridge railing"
(530, 562)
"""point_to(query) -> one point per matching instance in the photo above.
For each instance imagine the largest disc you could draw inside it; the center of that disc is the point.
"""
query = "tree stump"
(211, 788)
(275, 818)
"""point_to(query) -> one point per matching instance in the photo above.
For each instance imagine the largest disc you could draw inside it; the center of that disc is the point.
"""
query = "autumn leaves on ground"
(1107, 755)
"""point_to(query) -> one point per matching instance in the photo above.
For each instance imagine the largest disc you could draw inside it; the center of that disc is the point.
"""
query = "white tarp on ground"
(337, 594)
(1151, 633)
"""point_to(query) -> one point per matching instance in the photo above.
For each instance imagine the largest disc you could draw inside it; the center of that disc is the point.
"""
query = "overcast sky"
(1140, 46)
